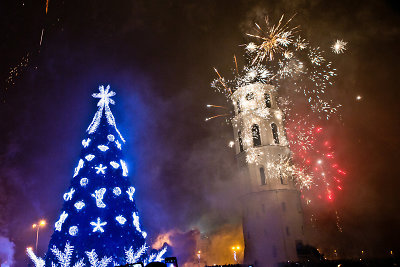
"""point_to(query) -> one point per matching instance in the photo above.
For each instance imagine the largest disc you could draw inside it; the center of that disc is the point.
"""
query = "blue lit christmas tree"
(99, 222)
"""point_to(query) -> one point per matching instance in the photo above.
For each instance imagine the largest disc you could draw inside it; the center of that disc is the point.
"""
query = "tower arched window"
(262, 176)
(281, 177)
(275, 133)
(238, 107)
(250, 96)
(240, 141)
(267, 100)
(255, 130)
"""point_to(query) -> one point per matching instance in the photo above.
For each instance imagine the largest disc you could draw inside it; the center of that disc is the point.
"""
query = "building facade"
(272, 211)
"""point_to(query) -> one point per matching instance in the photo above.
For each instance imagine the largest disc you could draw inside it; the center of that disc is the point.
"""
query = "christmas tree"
(99, 223)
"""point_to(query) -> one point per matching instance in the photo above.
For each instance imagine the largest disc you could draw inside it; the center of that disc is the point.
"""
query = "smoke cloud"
(6, 252)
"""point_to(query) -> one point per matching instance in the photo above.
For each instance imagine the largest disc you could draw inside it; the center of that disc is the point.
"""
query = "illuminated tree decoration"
(114, 164)
(68, 195)
(130, 191)
(117, 191)
(89, 157)
(79, 205)
(79, 167)
(124, 168)
(99, 223)
(101, 169)
(73, 230)
(120, 219)
(85, 143)
(60, 221)
(118, 144)
(98, 195)
(84, 181)
(102, 148)
(98, 226)
(111, 137)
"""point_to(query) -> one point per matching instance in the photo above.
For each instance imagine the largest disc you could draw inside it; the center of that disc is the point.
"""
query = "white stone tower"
(272, 211)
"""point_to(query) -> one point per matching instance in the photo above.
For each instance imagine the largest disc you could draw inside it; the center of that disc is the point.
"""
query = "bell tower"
(272, 211)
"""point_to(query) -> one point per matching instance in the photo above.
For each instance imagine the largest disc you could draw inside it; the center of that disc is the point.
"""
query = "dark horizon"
(159, 57)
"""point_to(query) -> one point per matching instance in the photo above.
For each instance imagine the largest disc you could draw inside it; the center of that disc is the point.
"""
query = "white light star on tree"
(105, 96)
(104, 105)
(101, 169)
(98, 226)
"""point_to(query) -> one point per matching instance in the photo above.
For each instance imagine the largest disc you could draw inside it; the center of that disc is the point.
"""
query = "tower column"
(272, 211)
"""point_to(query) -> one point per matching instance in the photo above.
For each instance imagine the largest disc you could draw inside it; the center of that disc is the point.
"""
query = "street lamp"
(198, 257)
(234, 253)
(41, 223)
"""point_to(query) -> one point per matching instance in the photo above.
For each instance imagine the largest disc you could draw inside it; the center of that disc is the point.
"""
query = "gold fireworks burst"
(274, 39)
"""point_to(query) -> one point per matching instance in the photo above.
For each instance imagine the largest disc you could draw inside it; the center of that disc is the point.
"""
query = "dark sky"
(159, 56)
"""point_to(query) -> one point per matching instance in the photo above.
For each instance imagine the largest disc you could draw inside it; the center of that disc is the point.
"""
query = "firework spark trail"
(217, 116)
(215, 106)
(41, 38)
(236, 65)
(221, 80)
(16, 71)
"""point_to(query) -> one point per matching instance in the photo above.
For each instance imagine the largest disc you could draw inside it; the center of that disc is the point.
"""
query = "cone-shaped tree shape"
(99, 222)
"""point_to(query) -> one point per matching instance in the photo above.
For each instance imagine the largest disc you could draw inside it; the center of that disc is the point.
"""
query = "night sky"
(158, 56)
